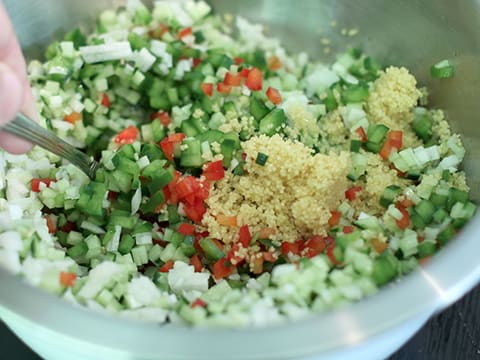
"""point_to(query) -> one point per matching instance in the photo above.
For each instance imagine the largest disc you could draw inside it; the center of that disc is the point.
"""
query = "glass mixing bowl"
(414, 33)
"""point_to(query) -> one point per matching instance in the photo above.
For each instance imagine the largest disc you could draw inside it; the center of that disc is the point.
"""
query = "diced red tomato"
(363, 136)
(348, 229)
(163, 117)
(316, 242)
(185, 32)
(196, 262)
(52, 229)
(232, 80)
(35, 184)
(274, 96)
(254, 79)
(214, 171)
(67, 279)
(223, 88)
(196, 62)
(244, 236)
(168, 144)
(203, 191)
(314, 246)
(244, 72)
(186, 186)
(207, 88)
(190, 190)
(73, 117)
(394, 141)
(226, 220)
(222, 268)
(294, 248)
(159, 31)
(335, 217)
(274, 63)
(166, 267)
(105, 100)
(238, 60)
(351, 193)
(199, 303)
(186, 229)
(195, 212)
(127, 136)
(404, 222)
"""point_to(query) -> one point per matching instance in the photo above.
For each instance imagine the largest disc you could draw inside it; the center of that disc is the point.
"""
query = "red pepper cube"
(223, 88)
(73, 117)
(351, 193)
(360, 131)
(254, 79)
(105, 101)
(167, 266)
(404, 222)
(35, 184)
(185, 32)
(67, 279)
(207, 88)
(244, 236)
(274, 96)
(214, 171)
(335, 217)
(196, 262)
(186, 229)
(222, 268)
(127, 136)
(232, 80)
(163, 117)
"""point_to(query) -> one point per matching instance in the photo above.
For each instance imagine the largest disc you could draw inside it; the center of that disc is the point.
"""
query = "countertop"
(452, 335)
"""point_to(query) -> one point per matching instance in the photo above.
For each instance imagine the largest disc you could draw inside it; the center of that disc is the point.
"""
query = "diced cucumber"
(389, 195)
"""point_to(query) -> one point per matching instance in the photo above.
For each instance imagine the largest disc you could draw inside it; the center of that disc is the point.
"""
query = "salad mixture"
(240, 185)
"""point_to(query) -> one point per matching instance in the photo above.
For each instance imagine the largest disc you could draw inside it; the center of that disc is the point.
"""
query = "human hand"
(15, 92)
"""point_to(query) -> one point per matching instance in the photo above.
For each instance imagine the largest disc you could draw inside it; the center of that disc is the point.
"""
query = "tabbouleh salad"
(240, 185)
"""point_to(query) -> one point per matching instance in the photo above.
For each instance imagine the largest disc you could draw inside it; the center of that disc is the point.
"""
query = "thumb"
(11, 99)
(11, 94)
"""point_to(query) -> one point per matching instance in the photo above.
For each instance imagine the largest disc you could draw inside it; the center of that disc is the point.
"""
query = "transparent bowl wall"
(415, 34)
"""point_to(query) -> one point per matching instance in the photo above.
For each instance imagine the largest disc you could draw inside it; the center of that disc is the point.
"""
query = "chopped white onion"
(106, 52)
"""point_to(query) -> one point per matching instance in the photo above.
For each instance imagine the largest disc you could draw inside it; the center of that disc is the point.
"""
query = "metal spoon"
(29, 130)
